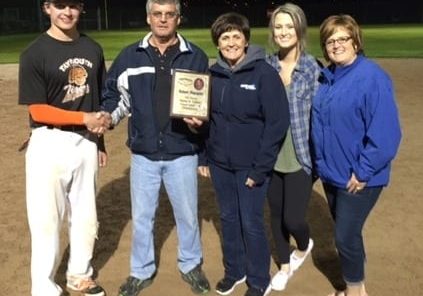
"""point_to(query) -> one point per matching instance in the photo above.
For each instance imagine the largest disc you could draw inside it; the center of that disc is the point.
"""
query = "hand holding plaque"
(190, 94)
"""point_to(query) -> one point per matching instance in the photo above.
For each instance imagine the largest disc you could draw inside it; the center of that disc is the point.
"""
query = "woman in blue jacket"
(356, 134)
(249, 117)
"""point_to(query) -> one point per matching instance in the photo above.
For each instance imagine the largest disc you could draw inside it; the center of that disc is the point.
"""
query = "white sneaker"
(279, 280)
(295, 261)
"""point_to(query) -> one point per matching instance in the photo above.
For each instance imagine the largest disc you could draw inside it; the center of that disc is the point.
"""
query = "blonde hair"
(299, 20)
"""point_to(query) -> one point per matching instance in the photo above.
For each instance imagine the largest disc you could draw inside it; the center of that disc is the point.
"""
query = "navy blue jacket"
(249, 115)
(129, 91)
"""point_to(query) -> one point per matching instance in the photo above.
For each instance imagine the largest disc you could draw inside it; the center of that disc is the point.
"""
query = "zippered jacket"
(129, 91)
(355, 124)
(249, 115)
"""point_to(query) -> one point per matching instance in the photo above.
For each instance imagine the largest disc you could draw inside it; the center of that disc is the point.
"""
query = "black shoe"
(226, 285)
(257, 292)
(197, 279)
(133, 286)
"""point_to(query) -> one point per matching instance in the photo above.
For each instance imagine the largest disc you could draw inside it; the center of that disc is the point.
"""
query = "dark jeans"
(289, 194)
(245, 246)
(349, 212)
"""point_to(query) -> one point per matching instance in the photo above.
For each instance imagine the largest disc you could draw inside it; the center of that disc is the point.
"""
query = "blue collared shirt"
(303, 87)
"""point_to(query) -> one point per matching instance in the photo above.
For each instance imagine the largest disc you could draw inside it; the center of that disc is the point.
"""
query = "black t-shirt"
(67, 75)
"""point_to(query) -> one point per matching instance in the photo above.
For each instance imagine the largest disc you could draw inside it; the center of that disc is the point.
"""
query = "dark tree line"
(25, 15)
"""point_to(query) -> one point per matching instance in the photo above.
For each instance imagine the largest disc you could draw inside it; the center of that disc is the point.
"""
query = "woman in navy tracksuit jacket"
(249, 117)
(356, 133)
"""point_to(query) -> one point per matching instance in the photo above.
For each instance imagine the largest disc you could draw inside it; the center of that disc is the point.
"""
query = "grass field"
(389, 41)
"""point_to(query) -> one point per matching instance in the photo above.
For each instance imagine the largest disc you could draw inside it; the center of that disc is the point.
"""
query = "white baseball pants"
(61, 171)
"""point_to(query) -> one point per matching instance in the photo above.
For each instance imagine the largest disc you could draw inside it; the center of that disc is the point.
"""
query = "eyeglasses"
(61, 6)
(167, 15)
(340, 40)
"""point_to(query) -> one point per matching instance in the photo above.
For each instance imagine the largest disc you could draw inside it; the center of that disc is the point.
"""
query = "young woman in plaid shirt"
(291, 183)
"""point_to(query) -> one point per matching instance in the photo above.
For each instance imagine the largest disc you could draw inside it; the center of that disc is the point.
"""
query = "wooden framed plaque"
(190, 95)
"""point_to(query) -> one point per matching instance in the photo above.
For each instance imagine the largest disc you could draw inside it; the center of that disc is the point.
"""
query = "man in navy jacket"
(164, 149)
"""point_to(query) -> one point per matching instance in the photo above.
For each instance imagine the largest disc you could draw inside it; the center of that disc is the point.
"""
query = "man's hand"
(97, 122)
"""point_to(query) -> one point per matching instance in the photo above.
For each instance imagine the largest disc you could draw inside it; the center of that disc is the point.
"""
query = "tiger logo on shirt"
(77, 83)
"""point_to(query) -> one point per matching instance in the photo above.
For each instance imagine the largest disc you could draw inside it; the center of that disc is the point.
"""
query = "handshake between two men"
(98, 122)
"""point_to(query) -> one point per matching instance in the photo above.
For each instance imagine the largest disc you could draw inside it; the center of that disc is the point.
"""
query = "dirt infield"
(394, 231)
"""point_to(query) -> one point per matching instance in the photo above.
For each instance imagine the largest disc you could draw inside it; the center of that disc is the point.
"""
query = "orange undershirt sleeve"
(47, 114)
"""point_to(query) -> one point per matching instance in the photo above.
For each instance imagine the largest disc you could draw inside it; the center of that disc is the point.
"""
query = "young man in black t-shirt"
(60, 78)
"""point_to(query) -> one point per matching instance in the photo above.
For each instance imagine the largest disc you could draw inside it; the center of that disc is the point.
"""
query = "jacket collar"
(184, 46)
(333, 73)
(253, 54)
(301, 65)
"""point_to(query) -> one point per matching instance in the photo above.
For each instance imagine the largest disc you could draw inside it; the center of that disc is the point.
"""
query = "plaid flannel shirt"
(303, 87)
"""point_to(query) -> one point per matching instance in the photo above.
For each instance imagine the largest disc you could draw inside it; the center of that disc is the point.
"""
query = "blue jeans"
(245, 246)
(180, 180)
(349, 212)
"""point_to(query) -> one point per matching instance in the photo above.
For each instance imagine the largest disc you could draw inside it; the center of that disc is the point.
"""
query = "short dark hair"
(228, 22)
